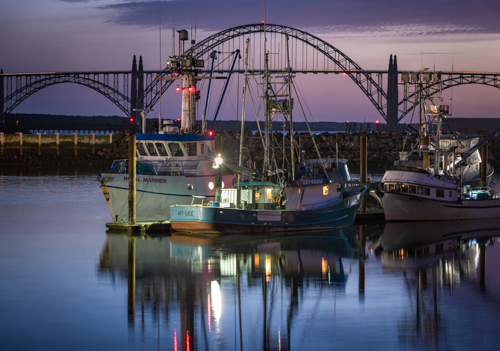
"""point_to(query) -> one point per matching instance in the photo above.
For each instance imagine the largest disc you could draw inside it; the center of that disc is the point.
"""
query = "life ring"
(276, 199)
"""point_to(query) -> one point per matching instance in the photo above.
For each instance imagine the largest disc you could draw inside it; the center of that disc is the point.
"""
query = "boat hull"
(206, 219)
(155, 194)
(403, 207)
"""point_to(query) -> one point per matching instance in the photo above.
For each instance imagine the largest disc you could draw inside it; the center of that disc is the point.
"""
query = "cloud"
(345, 18)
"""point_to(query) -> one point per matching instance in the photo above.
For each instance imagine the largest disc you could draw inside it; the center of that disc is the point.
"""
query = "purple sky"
(79, 35)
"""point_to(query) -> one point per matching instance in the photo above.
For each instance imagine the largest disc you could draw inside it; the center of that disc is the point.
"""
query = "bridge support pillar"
(133, 94)
(140, 85)
(392, 95)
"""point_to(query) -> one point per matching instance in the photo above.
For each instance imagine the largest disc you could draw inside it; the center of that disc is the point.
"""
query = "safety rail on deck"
(157, 167)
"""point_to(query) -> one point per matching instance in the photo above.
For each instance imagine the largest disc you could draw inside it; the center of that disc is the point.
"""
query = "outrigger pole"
(236, 54)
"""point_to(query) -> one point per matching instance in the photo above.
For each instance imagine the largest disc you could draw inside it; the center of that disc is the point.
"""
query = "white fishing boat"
(277, 200)
(441, 178)
(173, 165)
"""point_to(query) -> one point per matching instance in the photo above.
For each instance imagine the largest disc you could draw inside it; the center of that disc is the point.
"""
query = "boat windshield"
(204, 149)
(175, 149)
(141, 149)
(161, 149)
(151, 149)
(190, 148)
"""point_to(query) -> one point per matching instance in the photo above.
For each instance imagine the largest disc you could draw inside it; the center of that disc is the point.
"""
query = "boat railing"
(159, 168)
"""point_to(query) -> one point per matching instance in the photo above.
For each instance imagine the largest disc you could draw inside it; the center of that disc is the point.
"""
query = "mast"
(289, 69)
(243, 108)
(266, 115)
(267, 161)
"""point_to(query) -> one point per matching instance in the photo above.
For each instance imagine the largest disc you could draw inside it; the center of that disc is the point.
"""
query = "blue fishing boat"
(308, 194)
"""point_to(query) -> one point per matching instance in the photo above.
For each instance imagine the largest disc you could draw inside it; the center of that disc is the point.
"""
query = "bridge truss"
(130, 90)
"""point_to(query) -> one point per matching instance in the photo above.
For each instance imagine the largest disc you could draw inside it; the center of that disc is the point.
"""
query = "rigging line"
(256, 118)
(411, 119)
(312, 136)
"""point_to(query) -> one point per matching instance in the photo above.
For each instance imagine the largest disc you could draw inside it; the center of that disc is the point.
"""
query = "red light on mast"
(191, 89)
(131, 119)
(377, 121)
(210, 133)
(346, 121)
(178, 88)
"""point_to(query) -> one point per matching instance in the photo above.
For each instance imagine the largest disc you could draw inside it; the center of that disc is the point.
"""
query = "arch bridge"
(139, 89)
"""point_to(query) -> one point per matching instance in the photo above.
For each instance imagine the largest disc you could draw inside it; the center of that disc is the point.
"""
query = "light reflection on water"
(66, 284)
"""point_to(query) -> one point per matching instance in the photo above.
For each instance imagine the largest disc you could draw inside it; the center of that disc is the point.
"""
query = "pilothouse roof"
(174, 137)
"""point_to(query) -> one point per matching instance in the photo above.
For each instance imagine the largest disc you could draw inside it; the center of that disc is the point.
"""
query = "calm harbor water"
(67, 284)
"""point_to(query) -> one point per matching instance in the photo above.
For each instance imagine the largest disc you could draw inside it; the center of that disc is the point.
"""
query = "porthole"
(190, 186)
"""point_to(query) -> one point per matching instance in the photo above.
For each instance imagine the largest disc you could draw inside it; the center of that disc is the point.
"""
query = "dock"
(139, 227)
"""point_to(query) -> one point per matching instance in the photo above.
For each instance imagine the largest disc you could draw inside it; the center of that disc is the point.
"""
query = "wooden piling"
(2, 138)
(482, 265)
(361, 273)
(39, 135)
(131, 280)
(363, 165)
(131, 182)
(426, 162)
(76, 142)
(21, 143)
(484, 165)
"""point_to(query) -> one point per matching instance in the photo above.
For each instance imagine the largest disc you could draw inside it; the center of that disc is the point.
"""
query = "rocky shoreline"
(383, 150)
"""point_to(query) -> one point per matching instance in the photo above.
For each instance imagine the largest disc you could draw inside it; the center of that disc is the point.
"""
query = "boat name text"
(148, 180)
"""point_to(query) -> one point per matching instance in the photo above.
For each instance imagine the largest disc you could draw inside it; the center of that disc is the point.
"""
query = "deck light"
(218, 160)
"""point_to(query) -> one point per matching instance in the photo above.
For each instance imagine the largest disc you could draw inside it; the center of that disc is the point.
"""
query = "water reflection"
(219, 292)
(433, 258)
(439, 281)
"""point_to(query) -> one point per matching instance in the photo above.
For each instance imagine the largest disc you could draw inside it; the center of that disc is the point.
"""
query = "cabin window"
(439, 193)
(162, 150)
(413, 189)
(190, 148)
(202, 149)
(205, 149)
(391, 187)
(151, 149)
(439, 248)
(325, 190)
(449, 193)
(427, 191)
(404, 188)
(175, 149)
(420, 190)
(339, 186)
(257, 196)
(141, 149)
(269, 193)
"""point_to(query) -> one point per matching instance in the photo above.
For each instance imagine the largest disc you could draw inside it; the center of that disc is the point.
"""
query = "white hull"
(404, 207)
(155, 194)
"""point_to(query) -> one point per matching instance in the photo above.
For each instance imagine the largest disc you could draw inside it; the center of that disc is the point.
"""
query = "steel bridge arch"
(451, 82)
(15, 98)
(365, 82)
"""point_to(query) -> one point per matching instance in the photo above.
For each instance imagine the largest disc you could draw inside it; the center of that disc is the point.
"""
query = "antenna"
(173, 36)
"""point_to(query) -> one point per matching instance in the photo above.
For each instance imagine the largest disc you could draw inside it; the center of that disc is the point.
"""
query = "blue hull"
(233, 220)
